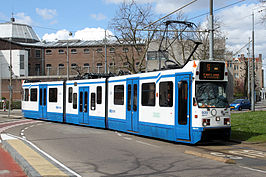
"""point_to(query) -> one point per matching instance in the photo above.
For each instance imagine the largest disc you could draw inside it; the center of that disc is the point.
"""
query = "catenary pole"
(252, 71)
(211, 31)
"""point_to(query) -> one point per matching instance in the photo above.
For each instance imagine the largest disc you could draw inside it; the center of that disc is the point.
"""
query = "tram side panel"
(30, 106)
(117, 104)
(55, 102)
(85, 102)
(157, 108)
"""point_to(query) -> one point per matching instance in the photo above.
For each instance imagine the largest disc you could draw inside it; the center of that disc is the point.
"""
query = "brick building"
(40, 60)
(239, 69)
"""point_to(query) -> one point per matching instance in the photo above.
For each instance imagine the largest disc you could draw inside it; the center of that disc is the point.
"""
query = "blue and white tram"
(181, 105)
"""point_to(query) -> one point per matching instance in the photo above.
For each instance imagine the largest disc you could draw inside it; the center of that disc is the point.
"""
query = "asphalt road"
(98, 152)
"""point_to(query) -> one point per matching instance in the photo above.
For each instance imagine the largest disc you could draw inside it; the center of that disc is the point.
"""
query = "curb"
(208, 156)
(30, 169)
(27, 168)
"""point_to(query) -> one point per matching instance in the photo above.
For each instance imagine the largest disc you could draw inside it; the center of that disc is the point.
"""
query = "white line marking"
(141, 142)
(26, 128)
(22, 134)
(23, 130)
(119, 134)
(261, 171)
(127, 138)
(47, 155)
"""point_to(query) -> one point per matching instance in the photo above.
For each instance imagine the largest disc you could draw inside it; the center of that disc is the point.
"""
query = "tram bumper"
(216, 133)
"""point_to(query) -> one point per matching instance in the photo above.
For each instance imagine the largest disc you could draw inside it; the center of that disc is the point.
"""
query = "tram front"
(210, 110)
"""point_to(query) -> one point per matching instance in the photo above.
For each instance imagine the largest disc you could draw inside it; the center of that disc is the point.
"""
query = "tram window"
(40, 100)
(70, 93)
(80, 101)
(182, 102)
(166, 94)
(53, 95)
(33, 94)
(26, 95)
(85, 101)
(44, 97)
(99, 95)
(148, 94)
(93, 105)
(119, 95)
(129, 97)
(75, 101)
(135, 97)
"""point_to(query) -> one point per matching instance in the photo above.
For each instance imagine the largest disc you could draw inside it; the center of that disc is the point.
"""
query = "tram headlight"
(227, 121)
(206, 122)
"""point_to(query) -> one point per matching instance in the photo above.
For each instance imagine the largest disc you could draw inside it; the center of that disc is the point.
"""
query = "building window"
(119, 94)
(53, 95)
(73, 65)
(148, 94)
(155, 55)
(37, 53)
(48, 52)
(99, 50)
(33, 94)
(86, 67)
(139, 49)
(61, 65)
(61, 51)
(166, 94)
(48, 68)
(99, 65)
(112, 50)
(37, 69)
(125, 50)
(73, 51)
(86, 51)
(99, 95)
(21, 63)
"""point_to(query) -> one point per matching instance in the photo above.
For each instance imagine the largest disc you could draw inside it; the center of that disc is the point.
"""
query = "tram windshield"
(211, 94)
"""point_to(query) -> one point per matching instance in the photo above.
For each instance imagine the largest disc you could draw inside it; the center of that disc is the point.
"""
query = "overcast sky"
(87, 19)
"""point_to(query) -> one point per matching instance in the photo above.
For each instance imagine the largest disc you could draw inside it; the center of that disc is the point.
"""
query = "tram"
(182, 105)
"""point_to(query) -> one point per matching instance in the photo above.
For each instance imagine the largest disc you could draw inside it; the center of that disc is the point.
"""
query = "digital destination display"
(211, 71)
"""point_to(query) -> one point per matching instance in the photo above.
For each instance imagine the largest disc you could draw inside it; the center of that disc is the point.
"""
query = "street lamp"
(70, 34)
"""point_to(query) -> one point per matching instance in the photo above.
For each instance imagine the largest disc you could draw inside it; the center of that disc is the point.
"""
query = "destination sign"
(211, 71)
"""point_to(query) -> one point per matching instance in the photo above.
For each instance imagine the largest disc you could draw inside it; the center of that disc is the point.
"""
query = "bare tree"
(126, 24)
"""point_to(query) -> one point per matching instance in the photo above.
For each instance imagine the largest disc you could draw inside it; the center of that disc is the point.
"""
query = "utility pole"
(70, 34)
(10, 69)
(252, 71)
(105, 51)
(248, 69)
(211, 31)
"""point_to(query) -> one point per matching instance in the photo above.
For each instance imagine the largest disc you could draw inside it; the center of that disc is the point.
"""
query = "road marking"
(249, 153)
(219, 154)
(141, 142)
(127, 138)
(261, 171)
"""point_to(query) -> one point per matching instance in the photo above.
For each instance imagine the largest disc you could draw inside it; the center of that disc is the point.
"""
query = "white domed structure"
(18, 32)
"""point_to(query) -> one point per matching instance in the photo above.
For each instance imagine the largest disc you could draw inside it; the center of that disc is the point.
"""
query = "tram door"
(182, 114)
(83, 105)
(43, 101)
(132, 105)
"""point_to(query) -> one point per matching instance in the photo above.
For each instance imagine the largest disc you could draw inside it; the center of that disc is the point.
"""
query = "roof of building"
(18, 32)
